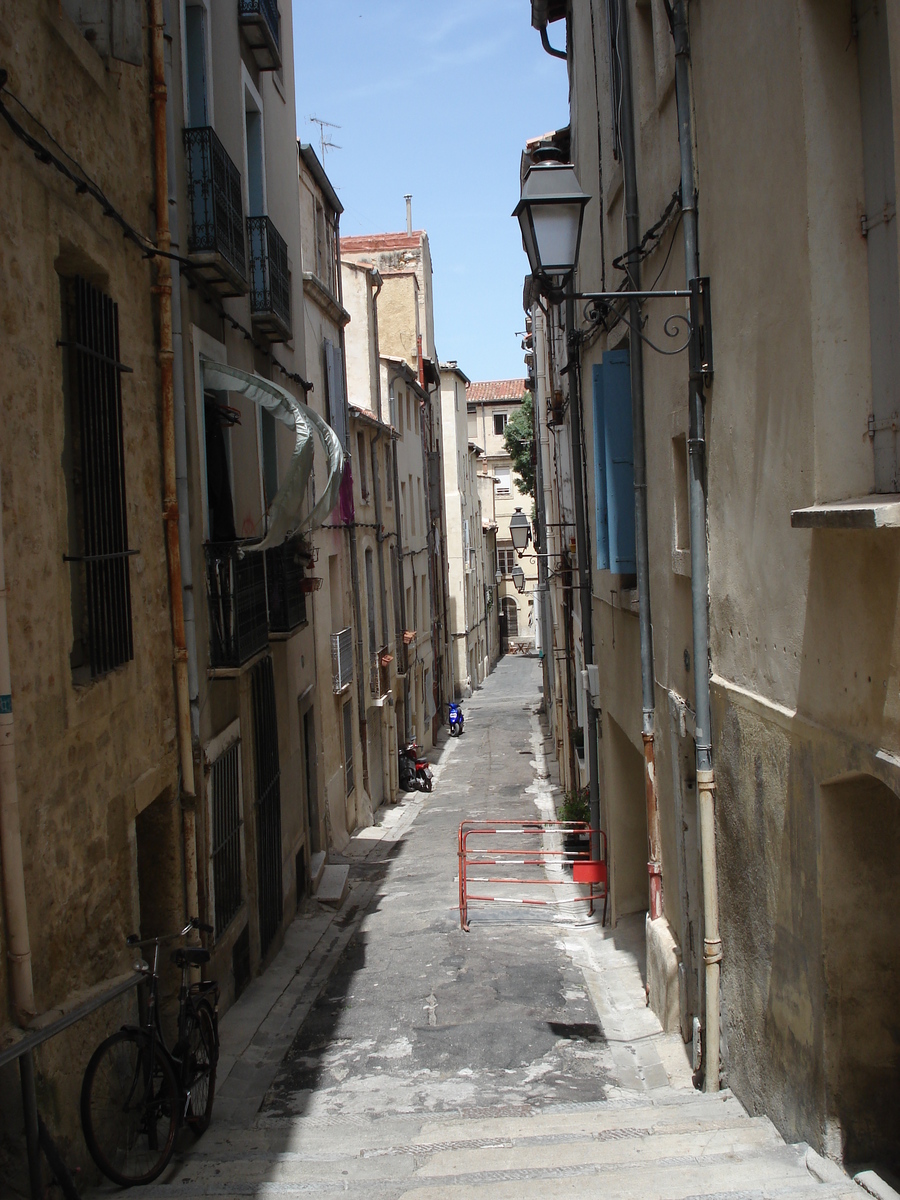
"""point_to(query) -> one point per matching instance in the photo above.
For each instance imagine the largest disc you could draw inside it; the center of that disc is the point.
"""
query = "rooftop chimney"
(408, 200)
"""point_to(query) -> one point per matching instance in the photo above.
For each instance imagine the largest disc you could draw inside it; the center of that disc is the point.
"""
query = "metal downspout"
(163, 290)
(188, 811)
(360, 675)
(584, 568)
(539, 520)
(642, 548)
(402, 587)
(706, 785)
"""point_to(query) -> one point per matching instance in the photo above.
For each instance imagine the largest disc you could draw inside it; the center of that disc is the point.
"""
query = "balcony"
(380, 673)
(216, 237)
(286, 588)
(262, 28)
(236, 590)
(270, 281)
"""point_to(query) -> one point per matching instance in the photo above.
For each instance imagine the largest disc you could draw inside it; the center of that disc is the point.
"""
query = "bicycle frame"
(187, 1004)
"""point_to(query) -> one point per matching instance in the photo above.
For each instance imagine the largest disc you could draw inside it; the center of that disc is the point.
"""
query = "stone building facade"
(781, 444)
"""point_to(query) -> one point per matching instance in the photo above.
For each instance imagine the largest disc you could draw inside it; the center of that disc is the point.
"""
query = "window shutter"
(600, 471)
(619, 461)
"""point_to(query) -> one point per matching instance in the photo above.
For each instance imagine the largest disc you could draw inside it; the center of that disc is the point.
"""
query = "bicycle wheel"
(200, 1070)
(129, 1108)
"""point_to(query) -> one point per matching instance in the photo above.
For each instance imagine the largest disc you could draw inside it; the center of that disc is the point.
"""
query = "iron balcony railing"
(270, 286)
(217, 214)
(262, 28)
(287, 599)
(380, 674)
(238, 618)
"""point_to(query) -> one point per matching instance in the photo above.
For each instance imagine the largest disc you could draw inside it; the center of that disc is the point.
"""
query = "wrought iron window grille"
(216, 235)
(286, 587)
(268, 801)
(95, 458)
(270, 280)
(238, 613)
(342, 660)
(227, 826)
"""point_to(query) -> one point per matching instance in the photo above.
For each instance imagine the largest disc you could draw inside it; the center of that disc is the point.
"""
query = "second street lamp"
(519, 531)
(518, 578)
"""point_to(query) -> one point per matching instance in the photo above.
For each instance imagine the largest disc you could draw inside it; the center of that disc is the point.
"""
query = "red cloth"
(347, 513)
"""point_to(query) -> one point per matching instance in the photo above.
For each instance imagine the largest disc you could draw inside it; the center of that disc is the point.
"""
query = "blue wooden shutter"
(600, 507)
(619, 460)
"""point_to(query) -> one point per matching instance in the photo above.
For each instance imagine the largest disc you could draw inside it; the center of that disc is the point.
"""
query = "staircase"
(678, 1146)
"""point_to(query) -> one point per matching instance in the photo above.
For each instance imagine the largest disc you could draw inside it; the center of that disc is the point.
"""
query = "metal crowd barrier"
(523, 847)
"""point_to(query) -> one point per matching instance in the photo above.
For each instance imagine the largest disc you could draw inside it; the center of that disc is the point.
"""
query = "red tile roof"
(496, 389)
(373, 242)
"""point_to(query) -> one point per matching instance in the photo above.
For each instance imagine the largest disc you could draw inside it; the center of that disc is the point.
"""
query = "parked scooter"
(414, 769)
(456, 719)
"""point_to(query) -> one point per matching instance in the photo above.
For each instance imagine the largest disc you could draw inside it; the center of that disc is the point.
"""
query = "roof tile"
(496, 389)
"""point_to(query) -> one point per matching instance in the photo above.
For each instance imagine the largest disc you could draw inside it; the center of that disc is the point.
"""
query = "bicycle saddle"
(190, 956)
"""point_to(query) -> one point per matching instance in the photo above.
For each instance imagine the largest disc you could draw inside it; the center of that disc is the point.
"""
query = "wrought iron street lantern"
(520, 531)
(518, 578)
(550, 213)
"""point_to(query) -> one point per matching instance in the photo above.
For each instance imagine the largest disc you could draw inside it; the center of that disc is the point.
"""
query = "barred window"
(227, 822)
(94, 462)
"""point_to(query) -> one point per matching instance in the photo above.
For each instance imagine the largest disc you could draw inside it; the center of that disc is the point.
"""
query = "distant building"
(489, 406)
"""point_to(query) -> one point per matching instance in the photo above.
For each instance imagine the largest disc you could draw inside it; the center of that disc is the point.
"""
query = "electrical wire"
(84, 185)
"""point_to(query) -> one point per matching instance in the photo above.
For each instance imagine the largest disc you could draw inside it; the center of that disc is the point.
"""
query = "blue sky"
(437, 98)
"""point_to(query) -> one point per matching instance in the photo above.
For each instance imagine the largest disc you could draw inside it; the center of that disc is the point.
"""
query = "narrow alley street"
(387, 1053)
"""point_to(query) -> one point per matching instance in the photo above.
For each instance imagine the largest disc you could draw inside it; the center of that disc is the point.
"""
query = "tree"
(518, 438)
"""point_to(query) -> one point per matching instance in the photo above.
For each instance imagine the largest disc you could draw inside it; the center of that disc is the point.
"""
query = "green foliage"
(575, 807)
(518, 438)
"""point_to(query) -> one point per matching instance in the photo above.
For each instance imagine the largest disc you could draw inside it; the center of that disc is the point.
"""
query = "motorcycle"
(456, 720)
(415, 771)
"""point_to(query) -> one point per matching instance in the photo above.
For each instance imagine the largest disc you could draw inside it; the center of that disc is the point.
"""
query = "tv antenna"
(325, 142)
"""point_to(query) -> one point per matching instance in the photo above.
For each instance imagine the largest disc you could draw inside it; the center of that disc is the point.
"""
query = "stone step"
(316, 867)
(333, 885)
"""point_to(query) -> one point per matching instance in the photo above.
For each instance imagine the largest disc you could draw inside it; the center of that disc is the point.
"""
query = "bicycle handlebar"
(133, 940)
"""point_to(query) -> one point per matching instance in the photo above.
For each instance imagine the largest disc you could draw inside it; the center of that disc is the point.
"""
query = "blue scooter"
(456, 719)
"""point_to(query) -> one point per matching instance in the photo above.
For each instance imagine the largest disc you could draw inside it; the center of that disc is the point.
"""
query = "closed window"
(502, 475)
(506, 559)
(94, 460)
(361, 466)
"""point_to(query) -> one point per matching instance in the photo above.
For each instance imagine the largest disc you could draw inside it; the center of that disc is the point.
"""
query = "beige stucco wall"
(802, 624)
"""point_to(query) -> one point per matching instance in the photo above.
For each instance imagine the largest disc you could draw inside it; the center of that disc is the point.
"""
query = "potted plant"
(576, 808)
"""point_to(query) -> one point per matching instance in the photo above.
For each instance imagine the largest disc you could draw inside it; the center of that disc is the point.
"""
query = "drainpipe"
(163, 290)
(402, 588)
(188, 812)
(584, 566)
(706, 784)
(18, 950)
(166, 356)
(633, 236)
(360, 675)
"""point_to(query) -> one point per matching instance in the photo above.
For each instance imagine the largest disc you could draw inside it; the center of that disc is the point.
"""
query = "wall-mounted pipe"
(706, 784)
(18, 947)
(163, 291)
(642, 544)
(545, 42)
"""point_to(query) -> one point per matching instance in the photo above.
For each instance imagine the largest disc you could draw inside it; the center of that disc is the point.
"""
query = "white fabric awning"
(284, 512)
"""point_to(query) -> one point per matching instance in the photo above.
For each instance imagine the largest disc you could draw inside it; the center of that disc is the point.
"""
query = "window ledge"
(321, 295)
(866, 512)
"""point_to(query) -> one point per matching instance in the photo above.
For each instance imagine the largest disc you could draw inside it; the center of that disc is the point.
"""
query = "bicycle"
(136, 1092)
